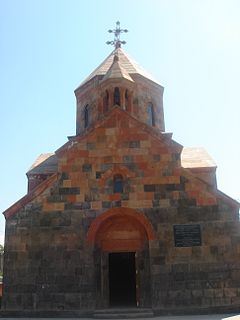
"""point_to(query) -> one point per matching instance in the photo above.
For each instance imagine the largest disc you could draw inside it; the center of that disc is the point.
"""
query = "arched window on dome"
(127, 100)
(86, 116)
(118, 183)
(116, 97)
(106, 102)
(150, 114)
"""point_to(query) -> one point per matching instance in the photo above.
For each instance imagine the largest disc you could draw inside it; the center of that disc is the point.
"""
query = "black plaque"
(187, 235)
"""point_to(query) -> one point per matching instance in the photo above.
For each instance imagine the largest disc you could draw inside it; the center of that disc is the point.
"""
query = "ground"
(195, 317)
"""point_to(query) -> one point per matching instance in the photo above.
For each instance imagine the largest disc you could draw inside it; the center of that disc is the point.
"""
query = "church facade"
(122, 215)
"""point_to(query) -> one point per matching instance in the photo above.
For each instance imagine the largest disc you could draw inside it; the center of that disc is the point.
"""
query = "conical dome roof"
(116, 71)
(127, 64)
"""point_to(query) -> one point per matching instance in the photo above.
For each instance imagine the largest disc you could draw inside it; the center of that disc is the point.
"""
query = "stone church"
(122, 215)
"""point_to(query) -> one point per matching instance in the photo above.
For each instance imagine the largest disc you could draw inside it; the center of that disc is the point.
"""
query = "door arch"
(121, 233)
(127, 223)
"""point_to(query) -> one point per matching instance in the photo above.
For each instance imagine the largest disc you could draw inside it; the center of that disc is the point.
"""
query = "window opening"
(126, 100)
(118, 183)
(117, 96)
(150, 114)
(106, 102)
(86, 116)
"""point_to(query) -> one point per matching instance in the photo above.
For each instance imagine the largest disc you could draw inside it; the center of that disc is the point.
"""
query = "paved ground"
(202, 317)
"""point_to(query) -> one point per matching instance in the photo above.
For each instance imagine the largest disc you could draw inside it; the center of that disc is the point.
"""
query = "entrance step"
(123, 313)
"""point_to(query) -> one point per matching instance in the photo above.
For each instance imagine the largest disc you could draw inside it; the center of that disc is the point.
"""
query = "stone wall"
(49, 265)
(202, 277)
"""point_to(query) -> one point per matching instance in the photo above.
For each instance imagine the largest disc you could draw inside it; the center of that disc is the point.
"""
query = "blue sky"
(47, 47)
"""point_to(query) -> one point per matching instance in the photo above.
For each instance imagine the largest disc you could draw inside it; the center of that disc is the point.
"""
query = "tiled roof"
(46, 163)
(196, 158)
(127, 63)
(117, 71)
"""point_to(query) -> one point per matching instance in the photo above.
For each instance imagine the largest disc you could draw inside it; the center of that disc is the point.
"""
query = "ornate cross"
(117, 42)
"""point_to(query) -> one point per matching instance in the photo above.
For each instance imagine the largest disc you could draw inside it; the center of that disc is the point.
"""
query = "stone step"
(123, 313)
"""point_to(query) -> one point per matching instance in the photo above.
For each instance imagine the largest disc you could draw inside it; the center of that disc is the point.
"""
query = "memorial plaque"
(187, 235)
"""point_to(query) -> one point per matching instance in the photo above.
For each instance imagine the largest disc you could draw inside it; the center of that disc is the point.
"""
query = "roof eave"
(30, 196)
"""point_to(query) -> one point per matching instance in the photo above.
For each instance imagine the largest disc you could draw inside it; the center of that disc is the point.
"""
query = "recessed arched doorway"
(122, 279)
(120, 238)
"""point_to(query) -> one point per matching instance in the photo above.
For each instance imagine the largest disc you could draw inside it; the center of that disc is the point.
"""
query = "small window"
(150, 114)
(118, 183)
(116, 96)
(86, 116)
(126, 100)
(106, 102)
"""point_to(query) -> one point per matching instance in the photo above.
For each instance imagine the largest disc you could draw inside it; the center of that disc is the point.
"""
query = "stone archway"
(107, 221)
(120, 238)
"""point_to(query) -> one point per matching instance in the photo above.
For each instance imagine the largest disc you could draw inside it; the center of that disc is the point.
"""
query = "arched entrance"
(121, 253)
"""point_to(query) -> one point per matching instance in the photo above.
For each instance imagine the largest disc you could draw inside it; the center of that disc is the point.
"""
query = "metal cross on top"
(117, 42)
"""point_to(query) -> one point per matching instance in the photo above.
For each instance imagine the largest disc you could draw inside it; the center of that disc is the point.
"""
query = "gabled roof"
(127, 63)
(30, 196)
(190, 158)
(196, 158)
(46, 163)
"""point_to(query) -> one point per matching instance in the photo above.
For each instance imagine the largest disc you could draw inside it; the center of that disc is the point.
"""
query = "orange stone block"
(110, 123)
(145, 144)
(59, 206)
(96, 205)
(82, 146)
(117, 159)
(141, 158)
(211, 201)
(80, 197)
(193, 194)
(164, 203)
(138, 203)
(110, 131)
(150, 172)
(67, 183)
(115, 196)
(71, 198)
(101, 131)
(82, 153)
(201, 201)
(144, 195)
(158, 149)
